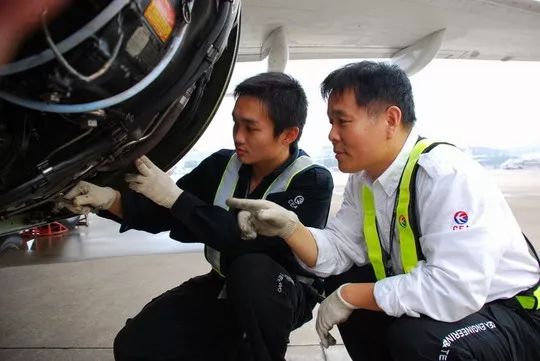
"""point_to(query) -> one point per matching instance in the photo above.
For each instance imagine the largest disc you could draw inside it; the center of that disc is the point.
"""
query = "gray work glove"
(87, 197)
(247, 228)
(265, 218)
(153, 183)
(333, 310)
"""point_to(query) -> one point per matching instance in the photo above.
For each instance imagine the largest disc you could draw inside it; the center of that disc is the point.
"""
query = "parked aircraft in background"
(108, 81)
(529, 161)
(512, 158)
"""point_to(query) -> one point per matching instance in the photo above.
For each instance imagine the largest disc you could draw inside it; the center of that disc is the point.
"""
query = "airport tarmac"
(64, 298)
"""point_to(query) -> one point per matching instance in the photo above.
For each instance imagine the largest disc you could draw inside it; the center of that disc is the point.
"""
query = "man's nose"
(333, 135)
(238, 136)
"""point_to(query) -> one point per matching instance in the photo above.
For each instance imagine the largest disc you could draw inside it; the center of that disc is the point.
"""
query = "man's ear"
(393, 120)
(289, 135)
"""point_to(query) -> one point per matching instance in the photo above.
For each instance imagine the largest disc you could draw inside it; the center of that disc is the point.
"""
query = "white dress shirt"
(474, 249)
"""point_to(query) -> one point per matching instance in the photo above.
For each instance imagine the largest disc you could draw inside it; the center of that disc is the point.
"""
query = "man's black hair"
(283, 96)
(375, 84)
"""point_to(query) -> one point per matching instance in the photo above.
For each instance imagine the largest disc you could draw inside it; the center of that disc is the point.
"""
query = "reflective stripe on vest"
(530, 299)
(530, 302)
(227, 185)
(372, 235)
(407, 239)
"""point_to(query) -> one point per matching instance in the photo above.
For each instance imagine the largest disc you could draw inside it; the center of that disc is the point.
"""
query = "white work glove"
(87, 197)
(153, 183)
(247, 229)
(265, 218)
(333, 310)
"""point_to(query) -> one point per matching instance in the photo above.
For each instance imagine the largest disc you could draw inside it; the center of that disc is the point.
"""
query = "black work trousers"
(500, 331)
(193, 322)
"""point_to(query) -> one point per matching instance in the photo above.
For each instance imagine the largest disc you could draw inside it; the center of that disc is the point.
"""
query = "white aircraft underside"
(410, 32)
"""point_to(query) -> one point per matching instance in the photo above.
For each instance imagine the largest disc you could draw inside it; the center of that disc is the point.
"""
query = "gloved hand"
(87, 197)
(247, 229)
(266, 218)
(153, 183)
(333, 310)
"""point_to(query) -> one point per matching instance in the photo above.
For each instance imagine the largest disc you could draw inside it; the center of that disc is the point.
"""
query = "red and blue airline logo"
(461, 218)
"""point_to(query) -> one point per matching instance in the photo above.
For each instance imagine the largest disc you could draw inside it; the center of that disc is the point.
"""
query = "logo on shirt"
(461, 217)
(402, 221)
(294, 203)
(464, 332)
(283, 277)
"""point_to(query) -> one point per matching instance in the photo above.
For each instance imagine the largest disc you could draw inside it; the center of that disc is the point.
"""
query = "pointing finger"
(252, 205)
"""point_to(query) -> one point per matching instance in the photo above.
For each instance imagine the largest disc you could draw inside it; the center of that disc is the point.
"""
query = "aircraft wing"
(108, 81)
(468, 29)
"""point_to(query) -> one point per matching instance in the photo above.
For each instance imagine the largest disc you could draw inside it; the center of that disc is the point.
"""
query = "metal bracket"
(416, 56)
(276, 47)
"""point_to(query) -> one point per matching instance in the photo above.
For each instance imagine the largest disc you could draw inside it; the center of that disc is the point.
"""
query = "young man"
(256, 293)
(423, 235)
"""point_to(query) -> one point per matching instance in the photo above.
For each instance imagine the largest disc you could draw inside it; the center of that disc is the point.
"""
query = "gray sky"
(469, 103)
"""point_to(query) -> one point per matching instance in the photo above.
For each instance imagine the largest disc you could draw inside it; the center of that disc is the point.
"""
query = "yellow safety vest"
(227, 185)
(404, 213)
(407, 227)
(530, 299)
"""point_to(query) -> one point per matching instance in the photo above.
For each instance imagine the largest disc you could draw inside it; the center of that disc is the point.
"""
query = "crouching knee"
(409, 339)
(257, 277)
(252, 269)
(121, 346)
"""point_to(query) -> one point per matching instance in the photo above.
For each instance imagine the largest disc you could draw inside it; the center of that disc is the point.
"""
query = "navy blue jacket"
(194, 218)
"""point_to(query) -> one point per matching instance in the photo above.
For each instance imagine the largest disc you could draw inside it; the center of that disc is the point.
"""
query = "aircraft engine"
(103, 83)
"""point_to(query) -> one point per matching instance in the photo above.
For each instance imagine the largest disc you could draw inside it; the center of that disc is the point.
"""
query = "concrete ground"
(73, 310)
(65, 298)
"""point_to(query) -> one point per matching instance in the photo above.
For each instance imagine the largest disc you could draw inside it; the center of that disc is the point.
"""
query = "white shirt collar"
(389, 180)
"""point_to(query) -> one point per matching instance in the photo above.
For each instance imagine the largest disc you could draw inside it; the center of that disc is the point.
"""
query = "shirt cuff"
(387, 298)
